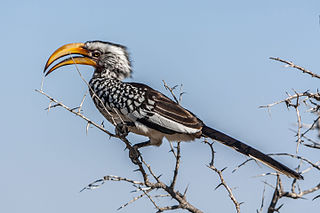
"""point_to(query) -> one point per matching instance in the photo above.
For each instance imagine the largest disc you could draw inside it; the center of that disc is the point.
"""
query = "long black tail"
(249, 151)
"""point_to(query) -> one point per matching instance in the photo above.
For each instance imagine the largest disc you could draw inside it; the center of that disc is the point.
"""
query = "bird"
(140, 109)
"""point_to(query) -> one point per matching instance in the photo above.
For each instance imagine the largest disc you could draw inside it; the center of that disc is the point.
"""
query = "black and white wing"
(157, 111)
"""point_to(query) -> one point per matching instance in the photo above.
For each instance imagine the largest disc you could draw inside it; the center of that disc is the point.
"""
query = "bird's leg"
(134, 153)
(142, 144)
(122, 129)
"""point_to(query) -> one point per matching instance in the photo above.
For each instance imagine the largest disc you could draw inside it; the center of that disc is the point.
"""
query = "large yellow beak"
(68, 49)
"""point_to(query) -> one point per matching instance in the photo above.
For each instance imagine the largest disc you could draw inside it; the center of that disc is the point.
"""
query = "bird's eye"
(96, 54)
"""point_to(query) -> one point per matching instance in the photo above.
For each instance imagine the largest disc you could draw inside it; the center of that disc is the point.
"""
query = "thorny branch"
(146, 186)
(171, 90)
(291, 64)
(279, 192)
(177, 156)
(77, 113)
(262, 200)
(222, 180)
(310, 100)
(296, 101)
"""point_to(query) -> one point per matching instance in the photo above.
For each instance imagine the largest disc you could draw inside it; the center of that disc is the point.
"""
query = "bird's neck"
(101, 77)
(106, 74)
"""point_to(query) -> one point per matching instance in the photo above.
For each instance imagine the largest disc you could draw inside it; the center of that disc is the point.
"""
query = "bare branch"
(291, 64)
(146, 185)
(222, 181)
(77, 114)
(262, 200)
(150, 198)
(307, 94)
(312, 126)
(299, 123)
(175, 174)
(242, 164)
(100, 182)
(297, 157)
(275, 198)
(82, 101)
(131, 201)
(171, 89)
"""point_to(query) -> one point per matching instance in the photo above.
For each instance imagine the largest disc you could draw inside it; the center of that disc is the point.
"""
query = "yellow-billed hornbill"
(141, 109)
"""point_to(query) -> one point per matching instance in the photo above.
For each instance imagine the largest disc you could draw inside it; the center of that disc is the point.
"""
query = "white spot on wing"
(151, 102)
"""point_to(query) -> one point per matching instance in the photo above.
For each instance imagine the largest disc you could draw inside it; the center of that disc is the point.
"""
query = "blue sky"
(218, 50)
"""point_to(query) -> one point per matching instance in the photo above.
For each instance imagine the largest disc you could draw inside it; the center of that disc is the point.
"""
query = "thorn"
(218, 186)
(74, 108)
(83, 189)
(223, 169)
(277, 209)
(185, 191)
(49, 106)
(316, 197)
(87, 128)
(174, 87)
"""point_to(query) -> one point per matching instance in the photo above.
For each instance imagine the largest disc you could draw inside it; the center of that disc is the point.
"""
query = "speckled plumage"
(142, 109)
(153, 114)
(122, 103)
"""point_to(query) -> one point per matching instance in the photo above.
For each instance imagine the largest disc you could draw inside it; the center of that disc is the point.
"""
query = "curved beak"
(68, 49)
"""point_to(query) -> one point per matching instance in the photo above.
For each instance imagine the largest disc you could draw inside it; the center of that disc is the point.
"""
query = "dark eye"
(96, 54)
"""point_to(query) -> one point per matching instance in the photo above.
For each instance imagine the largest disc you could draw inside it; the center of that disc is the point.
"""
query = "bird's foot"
(134, 154)
(122, 130)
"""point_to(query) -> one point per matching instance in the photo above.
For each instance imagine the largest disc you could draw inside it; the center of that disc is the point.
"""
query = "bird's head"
(110, 60)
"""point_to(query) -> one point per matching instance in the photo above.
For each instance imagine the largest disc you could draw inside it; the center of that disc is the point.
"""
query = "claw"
(134, 154)
(122, 130)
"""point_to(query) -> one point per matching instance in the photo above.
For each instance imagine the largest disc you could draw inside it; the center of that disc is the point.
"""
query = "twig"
(299, 123)
(312, 126)
(77, 114)
(180, 198)
(175, 173)
(131, 201)
(172, 149)
(316, 96)
(99, 182)
(150, 198)
(262, 200)
(180, 94)
(291, 64)
(297, 157)
(242, 164)
(166, 208)
(171, 91)
(82, 101)
(314, 144)
(222, 181)
(94, 95)
(275, 198)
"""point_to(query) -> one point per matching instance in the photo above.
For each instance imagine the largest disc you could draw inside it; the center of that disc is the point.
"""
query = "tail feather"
(249, 151)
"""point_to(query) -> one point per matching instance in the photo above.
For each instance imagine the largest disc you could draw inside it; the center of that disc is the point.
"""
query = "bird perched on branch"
(140, 109)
